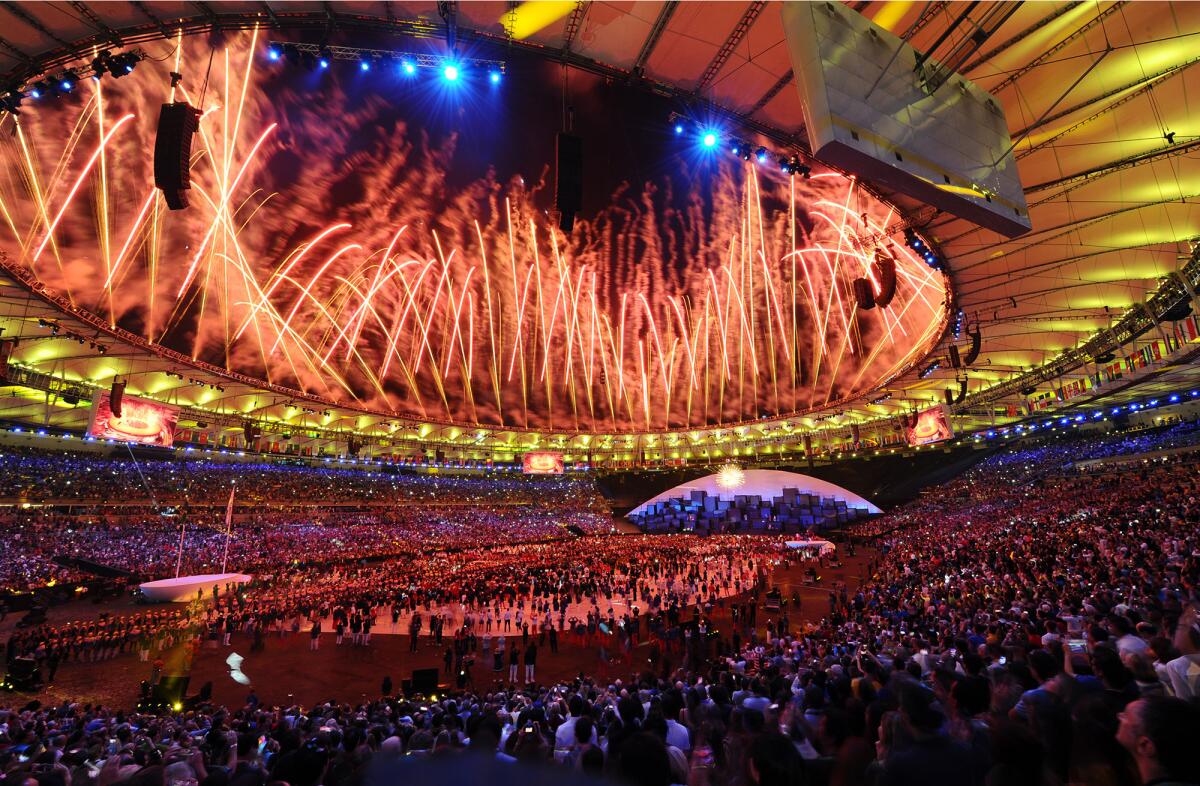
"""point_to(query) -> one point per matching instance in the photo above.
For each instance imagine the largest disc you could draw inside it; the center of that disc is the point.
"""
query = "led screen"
(543, 463)
(932, 426)
(147, 422)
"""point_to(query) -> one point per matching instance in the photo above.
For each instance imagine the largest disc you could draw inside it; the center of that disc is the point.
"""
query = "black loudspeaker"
(864, 296)
(115, 395)
(22, 675)
(568, 181)
(976, 345)
(177, 123)
(955, 359)
(6, 349)
(424, 680)
(169, 690)
(949, 396)
(962, 392)
(884, 269)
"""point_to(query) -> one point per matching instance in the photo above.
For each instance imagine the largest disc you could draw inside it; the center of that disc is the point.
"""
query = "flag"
(228, 528)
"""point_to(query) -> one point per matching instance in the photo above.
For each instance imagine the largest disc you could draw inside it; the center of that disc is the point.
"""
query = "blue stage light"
(408, 68)
(451, 73)
(709, 139)
(678, 129)
(494, 77)
(364, 65)
(273, 53)
(323, 63)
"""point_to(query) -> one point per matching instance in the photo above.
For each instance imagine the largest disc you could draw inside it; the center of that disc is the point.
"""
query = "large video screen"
(933, 425)
(141, 420)
(542, 463)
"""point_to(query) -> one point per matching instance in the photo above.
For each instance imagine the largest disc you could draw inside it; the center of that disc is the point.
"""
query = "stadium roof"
(1096, 95)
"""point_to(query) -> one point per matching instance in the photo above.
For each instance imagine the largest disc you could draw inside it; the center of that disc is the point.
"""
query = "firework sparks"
(644, 318)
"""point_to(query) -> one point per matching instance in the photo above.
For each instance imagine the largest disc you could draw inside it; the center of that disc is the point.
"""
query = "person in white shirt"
(1182, 675)
(1127, 640)
(678, 735)
(564, 735)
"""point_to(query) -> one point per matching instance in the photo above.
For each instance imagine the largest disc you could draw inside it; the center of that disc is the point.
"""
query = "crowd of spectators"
(1023, 624)
(138, 515)
(33, 475)
(148, 545)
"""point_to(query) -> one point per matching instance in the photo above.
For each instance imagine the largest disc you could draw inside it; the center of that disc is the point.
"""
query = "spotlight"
(12, 102)
(273, 52)
(123, 64)
(709, 139)
(40, 88)
(760, 155)
(678, 129)
(324, 57)
(100, 64)
(408, 68)
(450, 72)
(65, 83)
(364, 62)
(494, 77)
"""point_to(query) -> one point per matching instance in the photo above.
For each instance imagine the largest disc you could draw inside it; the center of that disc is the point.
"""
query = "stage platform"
(184, 588)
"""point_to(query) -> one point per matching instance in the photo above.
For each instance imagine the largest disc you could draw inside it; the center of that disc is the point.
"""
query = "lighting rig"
(711, 138)
(914, 241)
(932, 367)
(64, 82)
(321, 57)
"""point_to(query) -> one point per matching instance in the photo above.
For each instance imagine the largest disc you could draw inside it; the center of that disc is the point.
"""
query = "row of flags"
(1185, 331)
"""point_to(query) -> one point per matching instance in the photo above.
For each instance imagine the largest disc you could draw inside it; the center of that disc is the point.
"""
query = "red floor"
(288, 670)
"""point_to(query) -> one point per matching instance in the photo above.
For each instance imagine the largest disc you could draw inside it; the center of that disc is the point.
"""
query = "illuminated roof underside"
(1110, 185)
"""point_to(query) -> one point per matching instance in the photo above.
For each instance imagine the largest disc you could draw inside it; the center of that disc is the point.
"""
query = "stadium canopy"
(1097, 101)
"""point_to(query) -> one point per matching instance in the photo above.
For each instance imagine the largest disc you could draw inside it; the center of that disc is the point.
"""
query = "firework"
(465, 305)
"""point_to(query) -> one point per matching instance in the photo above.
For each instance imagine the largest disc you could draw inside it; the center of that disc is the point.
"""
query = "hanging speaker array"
(115, 396)
(976, 345)
(864, 296)
(884, 268)
(177, 124)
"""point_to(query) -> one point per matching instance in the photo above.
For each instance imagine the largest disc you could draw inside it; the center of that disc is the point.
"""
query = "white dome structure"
(764, 483)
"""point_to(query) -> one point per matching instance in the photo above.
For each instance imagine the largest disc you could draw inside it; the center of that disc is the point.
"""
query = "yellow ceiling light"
(530, 17)
(890, 15)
